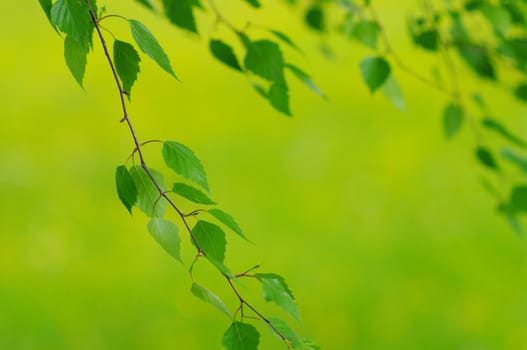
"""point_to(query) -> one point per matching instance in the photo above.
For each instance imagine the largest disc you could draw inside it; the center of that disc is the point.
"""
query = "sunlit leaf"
(167, 235)
(182, 160)
(148, 196)
(241, 336)
(191, 194)
(453, 117)
(76, 58)
(275, 289)
(126, 62)
(375, 71)
(207, 296)
(227, 220)
(126, 189)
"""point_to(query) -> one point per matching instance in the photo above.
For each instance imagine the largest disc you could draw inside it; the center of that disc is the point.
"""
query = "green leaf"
(46, 7)
(497, 127)
(485, 157)
(279, 97)
(182, 160)
(254, 3)
(375, 71)
(126, 189)
(514, 158)
(519, 198)
(225, 54)
(427, 39)
(285, 39)
(308, 344)
(264, 59)
(207, 296)
(126, 61)
(392, 90)
(76, 57)
(191, 194)
(241, 336)
(181, 13)
(167, 235)
(146, 3)
(291, 336)
(479, 60)
(521, 92)
(211, 239)
(453, 116)
(148, 197)
(149, 45)
(228, 221)
(275, 289)
(499, 17)
(73, 18)
(315, 18)
(366, 32)
(306, 79)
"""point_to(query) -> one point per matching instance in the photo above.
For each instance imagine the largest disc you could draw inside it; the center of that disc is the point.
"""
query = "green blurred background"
(380, 227)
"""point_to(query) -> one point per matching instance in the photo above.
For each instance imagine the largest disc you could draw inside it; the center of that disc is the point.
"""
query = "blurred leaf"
(76, 58)
(521, 92)
(315, 18)
(227, 220)
(453, 117)
(241, 336)
(496, 126)
(182, 160)
(366, 32)
(211, 239)
(126, 61)
(180, 13)
(225, 54)
(279, 97)
(147, 194)
(310, 344)
(126, 189)
(375, 71)
(149, 45)
(306, 79)
(499, 18)
(264, 59)
(486, 158)
(167, 235)
(519, 198)
(427, 39)
(211, 298)
(479, 60)
(146, 3)
(392, 90)
(291, 336)
(191, 194)
(517, 160)
(253, 3)
(275, 289)
(285, 39)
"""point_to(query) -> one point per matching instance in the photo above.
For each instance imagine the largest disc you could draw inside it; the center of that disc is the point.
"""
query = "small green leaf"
(478, 58)
(150, 46)
(241, 336)
(308, 344)
(76, 58)
(254, 3)
(126, 189)
(207, 296)
(285, 39)
(227, 220)
(167, 235)
(148, 197)
(291, 336)
(519, 198)
(73, 18)
(211, 239)
(392, 90)
(427, 39)
(276, 290)
(306, 79)
(497, 127)
(182, 160)
(181, 13)
(366, 32)
(279, 97)
(225, 54)
(191, 194)
(315, 18)
(521, 92)
(264, 59)
(499, 17)
(146, 3)
(486, 158)
(126, 62)
(452, 119)
(375, 71)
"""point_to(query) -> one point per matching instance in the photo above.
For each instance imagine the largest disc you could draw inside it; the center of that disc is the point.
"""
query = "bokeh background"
(379, 225)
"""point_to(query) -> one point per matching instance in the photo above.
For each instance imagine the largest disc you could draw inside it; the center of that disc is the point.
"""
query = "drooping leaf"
(427, 39)
(225, 54)
(478, 58)
(150, 46)
(126, 61)
(275, 289)
(452, 119)
(285, 39)
(211, 239)
(521, 92)
(511, 214)
(182, 160)
(241, 336)
(126, 189)
(519, 161)
(265, 59)
(499, 18)
(306, 79)
(485, 157)
(309, 344)
(76, 57)
(291, 336)
(279, 97)
(181, 13)
(191, 194)
(366, 32)
(46, 7)
(392, 90)
(148, 197)
(73, 18)
(227, 220)
(207, 296)
(166, 234)
(497, 127)
(519, 198)
(375, 71)
(147, 3)
(315, 18)
(254, 3)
